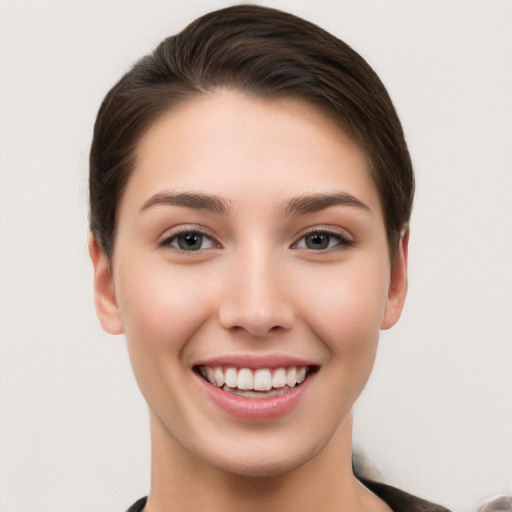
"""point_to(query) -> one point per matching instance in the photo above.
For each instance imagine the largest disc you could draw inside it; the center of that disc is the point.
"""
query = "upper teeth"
(262, 379)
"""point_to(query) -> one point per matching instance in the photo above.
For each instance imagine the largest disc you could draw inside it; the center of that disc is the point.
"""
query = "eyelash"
(170, 240)
(342, 241)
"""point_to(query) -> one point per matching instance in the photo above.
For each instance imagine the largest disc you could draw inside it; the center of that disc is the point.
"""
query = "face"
(251, 276)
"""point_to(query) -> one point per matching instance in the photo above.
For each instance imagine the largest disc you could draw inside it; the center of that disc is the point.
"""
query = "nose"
(255, 296)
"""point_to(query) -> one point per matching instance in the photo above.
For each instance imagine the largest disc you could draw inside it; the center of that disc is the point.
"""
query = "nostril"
(256, 330)
(258, 316)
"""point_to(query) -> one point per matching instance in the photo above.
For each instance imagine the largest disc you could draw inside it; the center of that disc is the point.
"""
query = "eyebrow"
(307, 203)
(310, 203)
(196, 200)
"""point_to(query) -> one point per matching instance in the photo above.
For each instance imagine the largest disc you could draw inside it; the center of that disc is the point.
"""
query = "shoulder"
(400, 501)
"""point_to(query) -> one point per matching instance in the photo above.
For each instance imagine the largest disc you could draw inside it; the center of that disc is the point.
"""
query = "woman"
(250, 193)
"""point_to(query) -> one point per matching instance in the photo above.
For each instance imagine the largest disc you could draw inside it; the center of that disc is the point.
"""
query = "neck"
(180, 481)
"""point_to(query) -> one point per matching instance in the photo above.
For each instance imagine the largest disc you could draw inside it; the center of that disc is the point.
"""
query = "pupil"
(317, 241)
(190, 241)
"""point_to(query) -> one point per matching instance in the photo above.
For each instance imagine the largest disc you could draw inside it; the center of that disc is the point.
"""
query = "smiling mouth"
(255, 383)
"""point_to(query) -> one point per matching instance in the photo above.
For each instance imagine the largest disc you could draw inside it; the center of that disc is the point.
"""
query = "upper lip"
(255, 361)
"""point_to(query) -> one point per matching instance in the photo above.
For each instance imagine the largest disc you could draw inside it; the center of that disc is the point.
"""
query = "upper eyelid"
(175, 232)
(328, 230)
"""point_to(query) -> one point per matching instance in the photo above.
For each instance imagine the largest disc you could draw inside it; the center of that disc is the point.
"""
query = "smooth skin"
(250, 227)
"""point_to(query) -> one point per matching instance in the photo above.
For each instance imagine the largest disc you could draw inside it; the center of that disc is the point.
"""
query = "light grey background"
(436, 418)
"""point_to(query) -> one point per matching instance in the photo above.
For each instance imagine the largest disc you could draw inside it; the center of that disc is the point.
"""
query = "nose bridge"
(256, 296)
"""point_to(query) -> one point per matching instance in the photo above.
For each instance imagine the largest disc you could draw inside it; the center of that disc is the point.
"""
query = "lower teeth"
(255, 394)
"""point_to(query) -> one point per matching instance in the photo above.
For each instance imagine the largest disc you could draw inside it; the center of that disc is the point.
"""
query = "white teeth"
(231, 377)
(245, 379)
(301, 375)
(291, 376)
(279, 378)
(210, 375)
(262, 380)
(219, 377)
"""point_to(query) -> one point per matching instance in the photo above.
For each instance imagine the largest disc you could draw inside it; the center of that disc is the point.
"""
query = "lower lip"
(256, 409)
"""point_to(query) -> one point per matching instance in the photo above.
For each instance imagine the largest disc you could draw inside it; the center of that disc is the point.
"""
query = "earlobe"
(104, 295)
(398, 285)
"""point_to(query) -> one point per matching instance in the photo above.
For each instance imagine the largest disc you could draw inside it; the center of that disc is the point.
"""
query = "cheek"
(161, 308)
(346, 307)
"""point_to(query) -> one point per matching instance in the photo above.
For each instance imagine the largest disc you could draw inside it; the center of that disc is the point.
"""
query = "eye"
(321, 241)
(190, 241)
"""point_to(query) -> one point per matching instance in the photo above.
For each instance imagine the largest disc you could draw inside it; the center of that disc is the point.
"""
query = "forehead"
(245, 148)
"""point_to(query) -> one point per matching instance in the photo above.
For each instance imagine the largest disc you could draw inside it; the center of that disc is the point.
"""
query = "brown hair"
(265, 53)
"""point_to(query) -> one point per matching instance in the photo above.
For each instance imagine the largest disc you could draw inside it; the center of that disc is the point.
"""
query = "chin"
(260, 467)
(266, 459)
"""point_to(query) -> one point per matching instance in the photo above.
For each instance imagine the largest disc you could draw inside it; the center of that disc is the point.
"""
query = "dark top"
(399, 501)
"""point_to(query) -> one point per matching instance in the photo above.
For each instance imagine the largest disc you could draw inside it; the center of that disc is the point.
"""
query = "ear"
(104, 295)
(397, 286)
